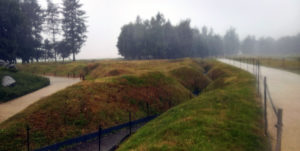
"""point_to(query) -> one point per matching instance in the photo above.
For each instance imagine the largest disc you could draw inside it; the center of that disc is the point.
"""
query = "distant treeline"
(289, 45)
(157, 38)
(22, 23)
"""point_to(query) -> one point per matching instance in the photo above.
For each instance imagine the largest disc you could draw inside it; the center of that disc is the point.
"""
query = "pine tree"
(73, 25)
(53, 23)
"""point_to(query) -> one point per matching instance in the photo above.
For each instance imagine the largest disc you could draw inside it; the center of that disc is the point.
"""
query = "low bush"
(25, 83)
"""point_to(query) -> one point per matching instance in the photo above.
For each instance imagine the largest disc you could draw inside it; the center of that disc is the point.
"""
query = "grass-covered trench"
(225, 117)
(25, 83)
(112, 89)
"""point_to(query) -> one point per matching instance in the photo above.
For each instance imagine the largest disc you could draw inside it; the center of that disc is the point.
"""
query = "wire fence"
(272, 114)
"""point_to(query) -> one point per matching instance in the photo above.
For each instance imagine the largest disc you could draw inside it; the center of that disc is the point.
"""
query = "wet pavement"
(10, 108)
(284, 87)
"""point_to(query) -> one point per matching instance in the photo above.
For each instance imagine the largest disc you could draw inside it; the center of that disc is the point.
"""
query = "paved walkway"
(10, 108)
(284, 87)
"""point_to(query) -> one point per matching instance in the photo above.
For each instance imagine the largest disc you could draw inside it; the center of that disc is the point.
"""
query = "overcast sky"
(273, 18)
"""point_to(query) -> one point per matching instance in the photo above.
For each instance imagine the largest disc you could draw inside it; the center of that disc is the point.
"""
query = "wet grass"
(25, 83)
(112, 90)
(291, 64)
(226, 116)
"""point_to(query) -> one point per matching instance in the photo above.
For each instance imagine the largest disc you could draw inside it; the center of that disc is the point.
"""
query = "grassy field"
(226, 116)
(291, 64)
(111, 90)
(25, 83)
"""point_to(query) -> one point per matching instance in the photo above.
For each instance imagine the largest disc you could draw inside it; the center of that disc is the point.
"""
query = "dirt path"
(284, 87)
(14, 106)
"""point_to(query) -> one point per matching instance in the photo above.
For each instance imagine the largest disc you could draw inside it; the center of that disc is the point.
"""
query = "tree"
(231, 42)
(47, 49)
(53, 23)
(29, 32)
(159, 39)
(73, 25)
(248, 45)
(10, 21)
(62, 48)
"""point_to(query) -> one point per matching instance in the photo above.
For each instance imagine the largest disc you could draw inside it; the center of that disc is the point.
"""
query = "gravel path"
(284, 87)
(10, 108)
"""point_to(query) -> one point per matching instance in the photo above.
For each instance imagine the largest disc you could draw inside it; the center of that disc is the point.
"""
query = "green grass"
(104, 99)
(115, 87)
(225, 117)
(291, 64)
(25, 83)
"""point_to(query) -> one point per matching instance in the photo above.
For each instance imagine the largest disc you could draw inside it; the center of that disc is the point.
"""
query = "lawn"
(112, 89)
(226, 116)
(291, 64)
(225, 113)
(25, 83)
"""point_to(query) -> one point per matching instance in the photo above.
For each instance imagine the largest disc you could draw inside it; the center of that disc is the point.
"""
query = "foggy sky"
(273, 18)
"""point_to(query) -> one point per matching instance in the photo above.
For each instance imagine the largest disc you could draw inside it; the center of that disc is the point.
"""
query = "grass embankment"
(291, 64)
(225, 117)
(113, 88)
(25, 83)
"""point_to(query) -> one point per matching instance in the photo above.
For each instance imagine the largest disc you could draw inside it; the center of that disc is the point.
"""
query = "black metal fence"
(97, 134)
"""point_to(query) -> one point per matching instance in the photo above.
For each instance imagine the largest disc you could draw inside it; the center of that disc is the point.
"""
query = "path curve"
(10, 108)
(284, 87)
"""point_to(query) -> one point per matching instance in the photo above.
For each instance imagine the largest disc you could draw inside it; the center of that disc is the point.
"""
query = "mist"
(261, 18)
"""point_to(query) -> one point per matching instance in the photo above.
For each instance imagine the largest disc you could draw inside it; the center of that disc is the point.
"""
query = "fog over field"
(262, 18)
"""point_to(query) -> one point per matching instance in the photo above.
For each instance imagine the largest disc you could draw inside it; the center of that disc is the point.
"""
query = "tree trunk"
(55, 54)
(73, 56)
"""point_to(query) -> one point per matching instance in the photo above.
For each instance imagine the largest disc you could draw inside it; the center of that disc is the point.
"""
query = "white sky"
(273, 18)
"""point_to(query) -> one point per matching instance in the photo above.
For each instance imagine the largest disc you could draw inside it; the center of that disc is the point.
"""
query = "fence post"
(99, 137)
(148, 109)
(258, 82)
(129, 123)
(247, 63)
(265, 106)
(27, 141)
(253, 65)
(241, 63)
(279, 130)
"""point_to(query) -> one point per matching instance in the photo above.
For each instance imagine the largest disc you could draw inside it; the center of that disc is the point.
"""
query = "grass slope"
(113, 88)
(225, 117)
(25, 83)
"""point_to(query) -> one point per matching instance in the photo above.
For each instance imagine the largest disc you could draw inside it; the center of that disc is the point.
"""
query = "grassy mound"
(191, 78)
(113, 88)
(25, 83)
(225, 117)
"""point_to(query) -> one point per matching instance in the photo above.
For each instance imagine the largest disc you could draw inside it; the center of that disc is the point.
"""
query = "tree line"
(157, 38)
(288, 45)
(23, 22)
